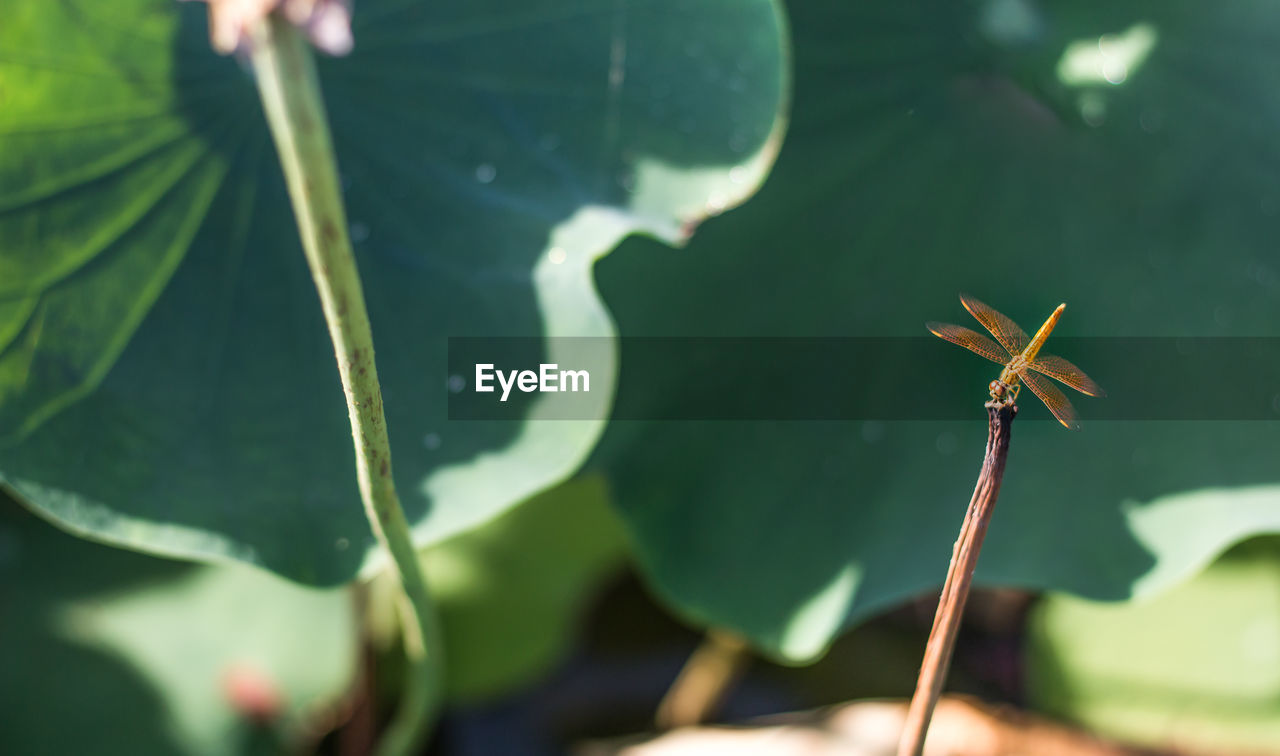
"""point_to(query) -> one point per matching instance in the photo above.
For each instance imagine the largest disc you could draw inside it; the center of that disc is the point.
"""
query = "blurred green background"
(166, 384)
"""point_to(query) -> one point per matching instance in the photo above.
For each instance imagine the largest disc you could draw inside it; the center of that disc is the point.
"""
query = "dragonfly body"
(1019, 363)
(1021, 358)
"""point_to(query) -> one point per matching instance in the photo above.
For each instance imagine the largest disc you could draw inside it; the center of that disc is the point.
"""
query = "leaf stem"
(955, 591)
(705, 680)
(290, 91)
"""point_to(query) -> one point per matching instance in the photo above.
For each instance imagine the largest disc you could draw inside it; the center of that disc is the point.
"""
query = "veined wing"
(1005, 330)
(1052, 398)
(971, 340)
(1058, 368)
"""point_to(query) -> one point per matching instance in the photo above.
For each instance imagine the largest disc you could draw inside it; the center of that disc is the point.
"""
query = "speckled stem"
(955, 591)
(290, 93)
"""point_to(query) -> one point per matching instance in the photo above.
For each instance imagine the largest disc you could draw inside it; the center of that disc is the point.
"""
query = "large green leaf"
(936, 148)
(1195, 669)
(124, 654)
(166, 380)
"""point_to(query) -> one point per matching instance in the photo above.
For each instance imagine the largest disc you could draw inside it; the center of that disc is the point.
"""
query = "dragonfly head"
(999, 390)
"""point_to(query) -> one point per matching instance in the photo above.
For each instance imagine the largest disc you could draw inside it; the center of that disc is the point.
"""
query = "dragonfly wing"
(1056, 367)
(1053, 399)
(971, 340)
(1005, 330)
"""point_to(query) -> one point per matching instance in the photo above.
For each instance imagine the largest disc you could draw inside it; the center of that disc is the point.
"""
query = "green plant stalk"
(290, 91)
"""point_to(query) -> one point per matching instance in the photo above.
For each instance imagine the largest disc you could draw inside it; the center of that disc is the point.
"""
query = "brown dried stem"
(955, 591)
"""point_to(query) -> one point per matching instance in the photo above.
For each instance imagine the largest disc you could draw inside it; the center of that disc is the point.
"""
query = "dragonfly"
(1022, 360)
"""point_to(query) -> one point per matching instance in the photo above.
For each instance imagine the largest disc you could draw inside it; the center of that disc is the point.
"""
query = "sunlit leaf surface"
(1194, 669)
(125, 653)
(165, 376)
